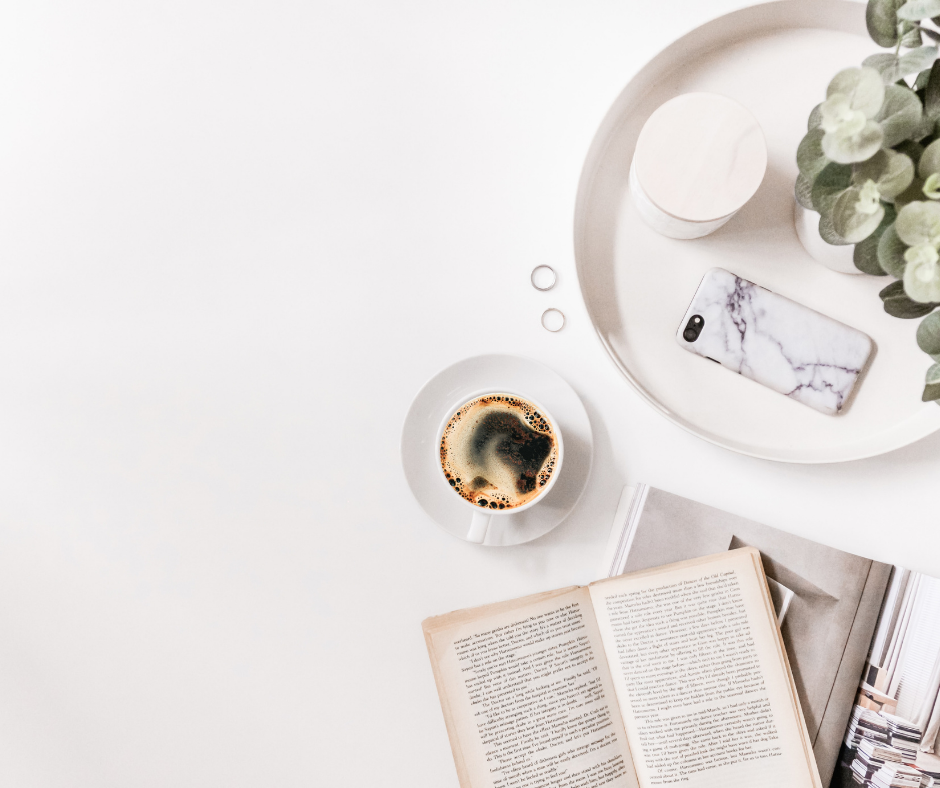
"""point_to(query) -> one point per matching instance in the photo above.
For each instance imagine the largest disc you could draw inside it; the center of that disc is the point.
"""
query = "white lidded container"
(699, 158)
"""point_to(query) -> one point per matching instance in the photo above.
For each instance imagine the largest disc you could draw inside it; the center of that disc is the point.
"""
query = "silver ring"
(547, 268)
(549, 312)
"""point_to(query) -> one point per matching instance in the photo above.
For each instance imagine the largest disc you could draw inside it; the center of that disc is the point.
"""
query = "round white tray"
(776, 59)
(451, 386)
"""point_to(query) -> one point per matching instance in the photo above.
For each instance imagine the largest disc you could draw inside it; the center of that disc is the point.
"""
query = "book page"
(527, 695)
(701, 676)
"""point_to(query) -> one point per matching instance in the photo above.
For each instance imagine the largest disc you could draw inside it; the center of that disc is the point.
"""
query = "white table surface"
(235, 239)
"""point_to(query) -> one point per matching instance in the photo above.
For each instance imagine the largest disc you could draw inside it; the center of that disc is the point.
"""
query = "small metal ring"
(547, 268)
(548, 312)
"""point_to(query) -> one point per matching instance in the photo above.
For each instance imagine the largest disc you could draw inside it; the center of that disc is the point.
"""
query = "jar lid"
(700, 157)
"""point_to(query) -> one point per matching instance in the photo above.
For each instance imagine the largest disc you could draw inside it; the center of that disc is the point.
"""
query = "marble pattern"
(775, 341)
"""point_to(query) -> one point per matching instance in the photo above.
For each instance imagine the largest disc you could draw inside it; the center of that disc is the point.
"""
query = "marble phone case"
(777, 342)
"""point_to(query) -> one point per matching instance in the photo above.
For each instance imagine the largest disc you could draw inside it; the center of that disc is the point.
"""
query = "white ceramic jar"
(699, 158)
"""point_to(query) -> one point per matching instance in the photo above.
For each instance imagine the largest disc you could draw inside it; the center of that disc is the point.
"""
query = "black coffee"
(498, 451)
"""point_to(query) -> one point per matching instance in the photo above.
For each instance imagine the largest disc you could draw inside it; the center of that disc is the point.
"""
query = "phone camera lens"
(693, 328)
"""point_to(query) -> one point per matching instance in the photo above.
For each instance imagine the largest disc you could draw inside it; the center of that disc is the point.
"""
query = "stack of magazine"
(903, 735)
(866, 724)
(862, 637)
(897, 775)
(870, 758)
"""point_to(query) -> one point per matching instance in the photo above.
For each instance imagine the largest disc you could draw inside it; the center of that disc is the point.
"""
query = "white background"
(235, 240)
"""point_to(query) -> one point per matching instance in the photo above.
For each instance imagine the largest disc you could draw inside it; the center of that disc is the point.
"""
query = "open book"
(670, 675)
(862, 637)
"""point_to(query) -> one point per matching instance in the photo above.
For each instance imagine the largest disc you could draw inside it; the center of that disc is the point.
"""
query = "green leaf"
(865, 255)
(815, 118)
(932, 384)
(897, 304)
(881, 17)
(931, 188)
(910, 36)
(897, 176)
(891, 290)
(804, 192)
(915, 10)
(846, 149)
(913, 150)
(832, 180)
(900, 115)
(894, 67)
(852, 223)
(891, 251)
(929, 161)
(827, 232)
(863, 87)
(913, 193)
(932, 93)
(918, 59)
(924, 131)
(892, 173)
(919, 223)
(809, 155)
(890, 215)
(922, 274)
(888, 65)
(928, 334)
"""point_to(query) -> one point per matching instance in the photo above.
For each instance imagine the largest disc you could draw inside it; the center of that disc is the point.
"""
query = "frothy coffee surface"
(498, 451)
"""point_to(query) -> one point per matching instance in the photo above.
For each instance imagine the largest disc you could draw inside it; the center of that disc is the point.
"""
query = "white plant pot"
(837, 258)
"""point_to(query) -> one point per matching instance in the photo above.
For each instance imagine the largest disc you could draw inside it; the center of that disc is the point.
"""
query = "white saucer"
(496, 372)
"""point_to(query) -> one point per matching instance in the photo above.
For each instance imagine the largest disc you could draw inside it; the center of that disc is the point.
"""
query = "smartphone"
(774, 341)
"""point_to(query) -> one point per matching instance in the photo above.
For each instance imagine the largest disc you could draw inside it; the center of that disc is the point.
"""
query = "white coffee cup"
(482, 518)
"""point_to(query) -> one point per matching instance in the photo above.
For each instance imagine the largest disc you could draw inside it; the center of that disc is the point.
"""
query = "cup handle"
(479, 526)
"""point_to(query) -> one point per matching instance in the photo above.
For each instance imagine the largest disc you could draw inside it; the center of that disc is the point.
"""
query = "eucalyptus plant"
(870, 165)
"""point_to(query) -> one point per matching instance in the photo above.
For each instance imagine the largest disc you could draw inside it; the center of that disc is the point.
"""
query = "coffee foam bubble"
(498, 451)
